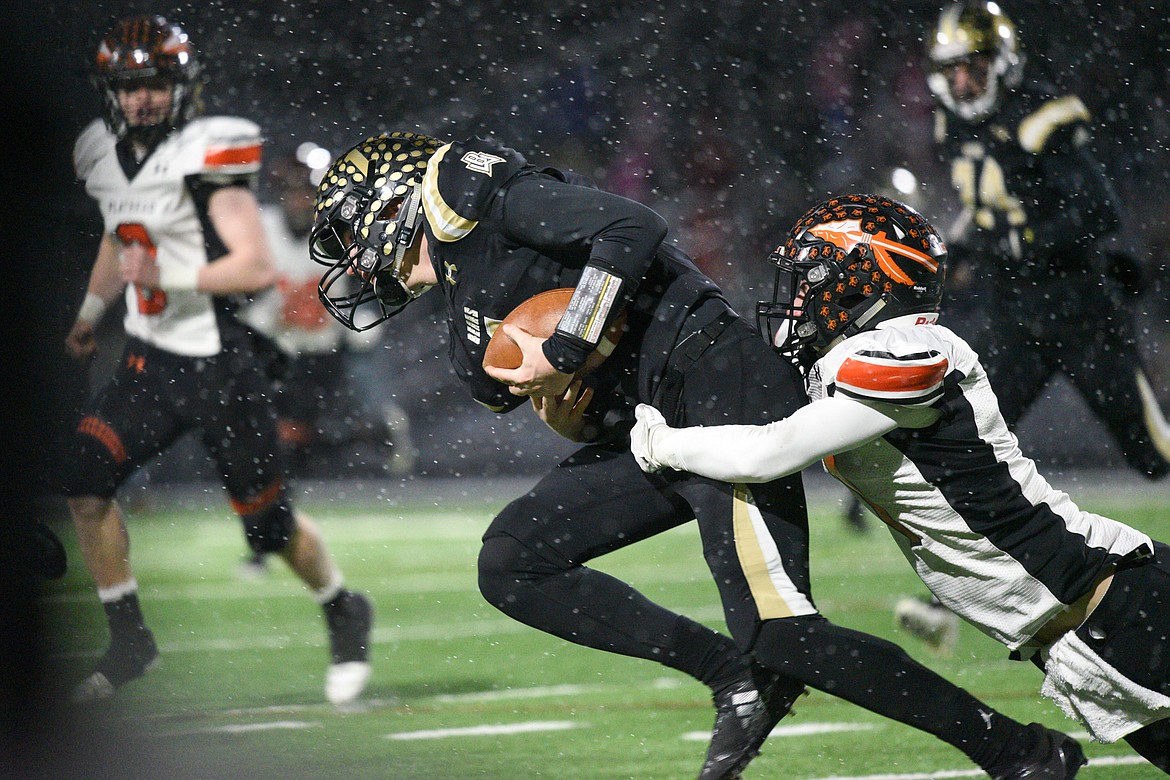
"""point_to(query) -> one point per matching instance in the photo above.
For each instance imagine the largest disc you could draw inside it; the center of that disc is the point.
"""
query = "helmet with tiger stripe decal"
(141, 50)
(850, 263)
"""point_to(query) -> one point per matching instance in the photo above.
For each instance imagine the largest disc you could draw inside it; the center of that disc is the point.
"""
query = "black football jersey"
(1029, 181)
(501, 230)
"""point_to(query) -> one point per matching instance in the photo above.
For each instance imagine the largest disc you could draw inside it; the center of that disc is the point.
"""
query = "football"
(539, 316)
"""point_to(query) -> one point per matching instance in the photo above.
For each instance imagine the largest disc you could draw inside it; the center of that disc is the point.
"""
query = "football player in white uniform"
(323, 354)
(183, 238)
(902, 413)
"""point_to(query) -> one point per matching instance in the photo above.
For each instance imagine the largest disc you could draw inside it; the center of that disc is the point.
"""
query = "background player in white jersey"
(324, 357)
(322, 417)
(902, 413)
(182, 235)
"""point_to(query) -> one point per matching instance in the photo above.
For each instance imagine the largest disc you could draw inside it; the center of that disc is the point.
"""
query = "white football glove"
(650, 425)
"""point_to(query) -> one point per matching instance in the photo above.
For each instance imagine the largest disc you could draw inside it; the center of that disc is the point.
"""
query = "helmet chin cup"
(390, 290)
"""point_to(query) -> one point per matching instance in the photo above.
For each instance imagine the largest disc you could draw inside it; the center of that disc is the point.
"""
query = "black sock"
(880, 676)
(706, 655)
(124, 616)
(132, 649)
(337, 605)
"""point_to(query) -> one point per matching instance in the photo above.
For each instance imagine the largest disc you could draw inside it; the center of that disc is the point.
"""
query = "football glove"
(650, 425)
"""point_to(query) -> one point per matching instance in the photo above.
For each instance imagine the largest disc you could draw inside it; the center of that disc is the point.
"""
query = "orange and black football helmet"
(847, 265)
(142, 48)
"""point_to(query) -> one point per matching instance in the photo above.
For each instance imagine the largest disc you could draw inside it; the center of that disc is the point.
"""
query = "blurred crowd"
(727, 118)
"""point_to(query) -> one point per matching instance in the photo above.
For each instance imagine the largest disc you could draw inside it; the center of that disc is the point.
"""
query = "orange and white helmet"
(848, 264)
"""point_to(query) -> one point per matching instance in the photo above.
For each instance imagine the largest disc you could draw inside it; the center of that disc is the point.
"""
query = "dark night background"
(729, 118)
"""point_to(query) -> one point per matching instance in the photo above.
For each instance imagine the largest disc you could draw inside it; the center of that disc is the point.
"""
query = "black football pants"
(755, 542)
(1032, 338)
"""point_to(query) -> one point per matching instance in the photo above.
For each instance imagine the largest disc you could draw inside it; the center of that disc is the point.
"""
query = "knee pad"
(89, 468)
(269, 530)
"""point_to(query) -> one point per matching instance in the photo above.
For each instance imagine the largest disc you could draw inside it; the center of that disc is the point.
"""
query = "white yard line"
(801, 730)
(1095, 763)
(489, 731)
(240, 728)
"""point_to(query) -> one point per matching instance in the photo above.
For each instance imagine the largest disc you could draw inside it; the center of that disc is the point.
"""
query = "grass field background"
(461, 691)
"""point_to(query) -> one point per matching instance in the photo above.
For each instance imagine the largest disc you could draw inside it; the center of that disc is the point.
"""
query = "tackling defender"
(403, 213)
(903, 414)
(183, 237)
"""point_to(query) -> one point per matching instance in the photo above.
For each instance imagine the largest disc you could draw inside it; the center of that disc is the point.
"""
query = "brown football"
(539, 316)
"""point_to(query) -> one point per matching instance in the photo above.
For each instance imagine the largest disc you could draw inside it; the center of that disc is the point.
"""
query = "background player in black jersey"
(403, 213)
(182, 236)
(1036, 207)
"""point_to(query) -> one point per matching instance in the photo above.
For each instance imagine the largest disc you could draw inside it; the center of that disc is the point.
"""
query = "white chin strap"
(783, 331)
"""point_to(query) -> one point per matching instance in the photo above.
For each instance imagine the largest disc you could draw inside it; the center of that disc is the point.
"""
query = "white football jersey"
(155, 207)
(986, 533)
(291, 312)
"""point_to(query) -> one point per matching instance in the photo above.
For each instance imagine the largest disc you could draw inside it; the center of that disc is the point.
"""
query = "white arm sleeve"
(760, 453)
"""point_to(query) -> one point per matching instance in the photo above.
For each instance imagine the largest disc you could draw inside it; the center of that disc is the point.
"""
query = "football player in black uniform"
(1036, 203)
(182, 241)
(404, 213)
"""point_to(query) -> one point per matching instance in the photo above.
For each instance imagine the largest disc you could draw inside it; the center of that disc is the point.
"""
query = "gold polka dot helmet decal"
(366, 215)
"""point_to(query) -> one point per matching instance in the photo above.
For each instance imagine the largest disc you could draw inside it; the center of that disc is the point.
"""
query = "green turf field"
(461, 691)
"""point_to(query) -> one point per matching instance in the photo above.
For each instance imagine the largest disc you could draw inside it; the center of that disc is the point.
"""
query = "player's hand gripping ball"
(539, 316)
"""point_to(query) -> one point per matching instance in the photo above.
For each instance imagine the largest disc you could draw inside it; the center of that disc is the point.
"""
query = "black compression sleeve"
(615, 238)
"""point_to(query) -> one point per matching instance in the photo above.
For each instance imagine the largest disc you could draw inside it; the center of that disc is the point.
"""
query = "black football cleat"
(745, 715)
(1057, 757)
(124, 660)
(349, 648)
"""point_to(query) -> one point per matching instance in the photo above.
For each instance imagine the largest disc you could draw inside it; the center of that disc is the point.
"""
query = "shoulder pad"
(223, 146)
(460, 182)
(892, 371)
(94, 141)
(1038, 127)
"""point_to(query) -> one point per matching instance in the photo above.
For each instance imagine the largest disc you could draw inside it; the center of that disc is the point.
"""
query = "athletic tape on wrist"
(173, 278)
(589, 308)
(92, 309)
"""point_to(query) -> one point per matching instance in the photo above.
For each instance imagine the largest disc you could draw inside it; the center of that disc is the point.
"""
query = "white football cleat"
(933, 623)
(96, 687)
(345, 682)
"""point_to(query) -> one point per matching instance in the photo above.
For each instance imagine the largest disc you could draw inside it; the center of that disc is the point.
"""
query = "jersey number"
(149, 301)
(982, 188)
